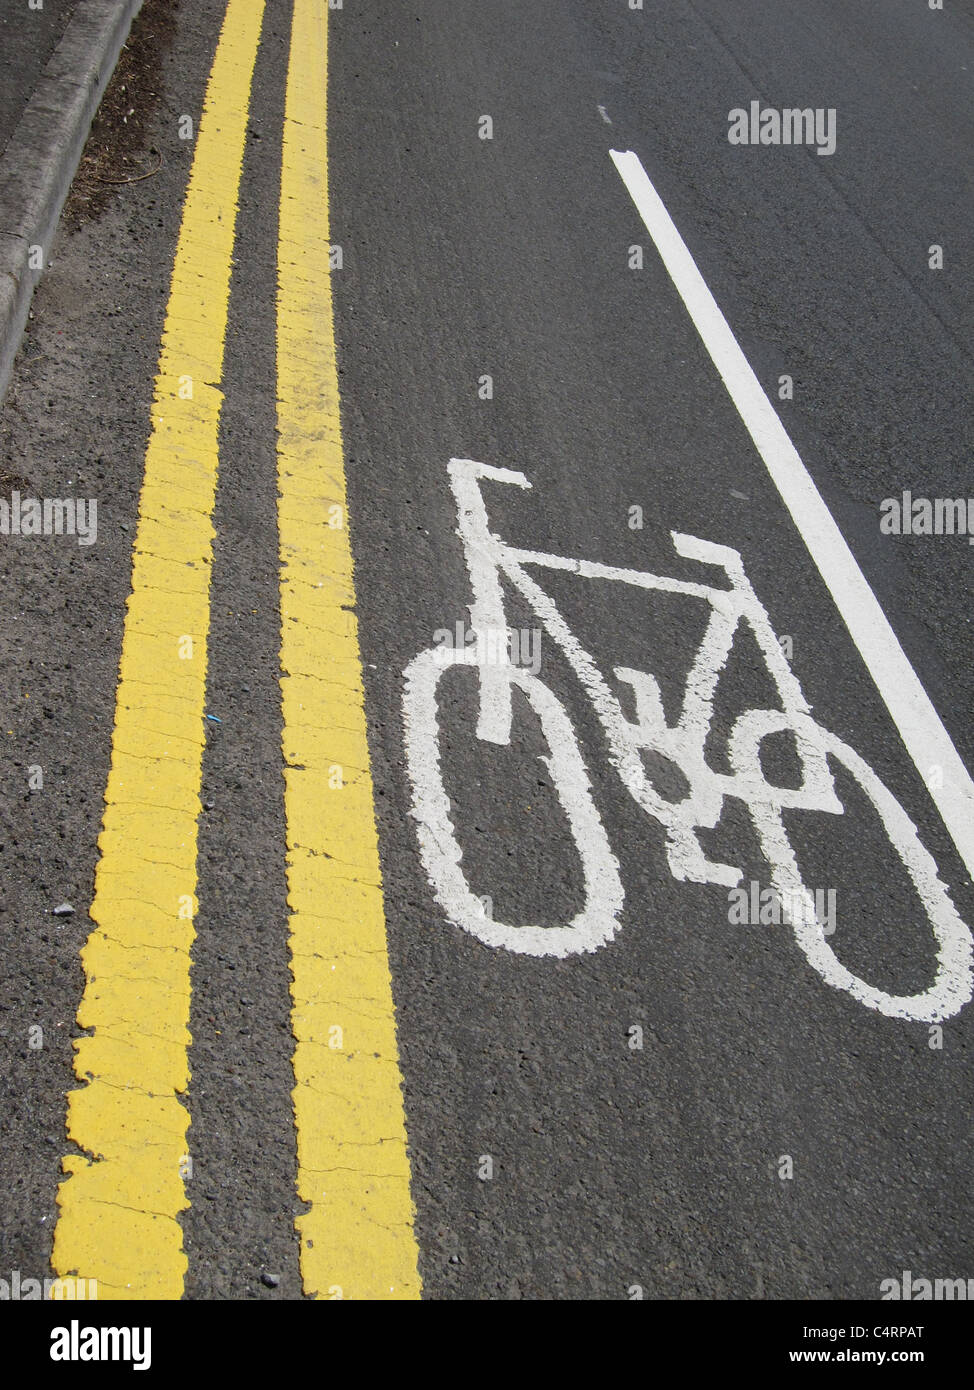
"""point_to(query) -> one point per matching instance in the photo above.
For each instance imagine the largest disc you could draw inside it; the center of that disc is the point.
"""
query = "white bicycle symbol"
(489, 559)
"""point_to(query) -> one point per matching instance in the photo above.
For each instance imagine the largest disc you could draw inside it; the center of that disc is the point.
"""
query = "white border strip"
(925, 737)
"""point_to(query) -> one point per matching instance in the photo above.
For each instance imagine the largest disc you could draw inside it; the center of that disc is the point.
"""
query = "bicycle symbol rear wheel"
(953, 983)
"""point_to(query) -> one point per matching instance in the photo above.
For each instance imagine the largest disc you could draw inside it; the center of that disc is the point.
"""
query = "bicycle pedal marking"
(490, 559)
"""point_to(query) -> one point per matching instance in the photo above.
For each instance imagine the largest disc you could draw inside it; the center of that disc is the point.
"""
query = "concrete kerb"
(42, 157)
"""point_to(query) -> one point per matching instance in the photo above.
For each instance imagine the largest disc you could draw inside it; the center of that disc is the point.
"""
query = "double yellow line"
(120, 1203)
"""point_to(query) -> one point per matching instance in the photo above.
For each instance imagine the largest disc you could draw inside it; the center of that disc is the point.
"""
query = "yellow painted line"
(120, 1203)
(357, 1238)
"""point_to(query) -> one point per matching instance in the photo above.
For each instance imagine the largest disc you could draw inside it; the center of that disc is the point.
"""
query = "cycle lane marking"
(353, 1169)
(920, 727)
(488, 559)
(119, 1205)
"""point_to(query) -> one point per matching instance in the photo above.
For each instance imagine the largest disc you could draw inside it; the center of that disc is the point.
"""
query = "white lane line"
(923, 734)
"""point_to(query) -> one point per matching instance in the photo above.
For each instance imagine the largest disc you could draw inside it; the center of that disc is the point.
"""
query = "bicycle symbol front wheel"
(597, 921)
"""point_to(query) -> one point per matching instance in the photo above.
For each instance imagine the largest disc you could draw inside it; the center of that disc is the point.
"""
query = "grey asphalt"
(612, 1167)
(28, 38)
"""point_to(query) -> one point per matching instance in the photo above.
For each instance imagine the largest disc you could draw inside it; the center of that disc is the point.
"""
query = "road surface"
(300, 1069)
